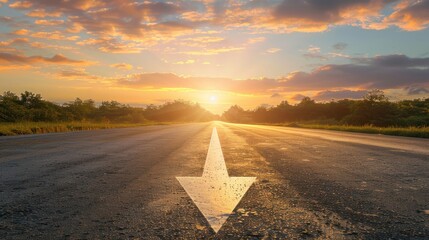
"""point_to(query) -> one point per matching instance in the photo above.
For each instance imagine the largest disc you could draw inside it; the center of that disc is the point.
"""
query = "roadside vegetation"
(422, 132)
(29, 113)
(373, 114)
(20, 128)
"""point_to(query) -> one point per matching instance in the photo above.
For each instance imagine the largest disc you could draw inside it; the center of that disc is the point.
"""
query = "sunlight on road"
(394, 142)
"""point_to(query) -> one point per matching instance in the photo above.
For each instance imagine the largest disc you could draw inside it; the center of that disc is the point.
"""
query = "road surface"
(121, 184)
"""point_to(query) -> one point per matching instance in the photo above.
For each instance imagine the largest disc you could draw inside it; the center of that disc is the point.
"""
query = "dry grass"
(421, 132)
(10, 129)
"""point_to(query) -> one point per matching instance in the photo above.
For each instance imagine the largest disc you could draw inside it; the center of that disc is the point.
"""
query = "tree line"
(374, 109)
(32, 107)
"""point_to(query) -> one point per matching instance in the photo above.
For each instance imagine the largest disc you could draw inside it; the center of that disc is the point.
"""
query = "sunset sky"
(217, 53)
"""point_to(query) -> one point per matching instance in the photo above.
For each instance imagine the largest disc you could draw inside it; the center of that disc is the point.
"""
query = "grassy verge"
(10, 129)
(421, 132)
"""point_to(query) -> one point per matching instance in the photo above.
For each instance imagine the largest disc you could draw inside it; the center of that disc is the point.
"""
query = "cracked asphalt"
(121, 184)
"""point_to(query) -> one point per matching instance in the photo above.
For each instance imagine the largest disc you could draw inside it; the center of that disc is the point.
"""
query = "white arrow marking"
(216, 194)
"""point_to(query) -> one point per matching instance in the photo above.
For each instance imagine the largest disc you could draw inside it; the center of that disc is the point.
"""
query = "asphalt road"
(121, 184)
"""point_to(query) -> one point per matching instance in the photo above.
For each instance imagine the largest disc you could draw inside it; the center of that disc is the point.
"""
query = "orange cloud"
(201, 41)
(7, 58)
(76, 74)
(112, 45)
(213, 51)
(14, 67)
(122, 66)
(131, 26)
(205, 39)
(15, 41)
(169, 80)
(21, 32)
(383, 72)
(53, 46)
(49, 22)
(256, 40)
(25, 42)
(41, 13)
(189, 61)
(410, 15)
(21, 4)
(55, 35)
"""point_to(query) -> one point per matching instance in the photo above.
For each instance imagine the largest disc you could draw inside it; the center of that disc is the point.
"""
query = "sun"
(213, 99)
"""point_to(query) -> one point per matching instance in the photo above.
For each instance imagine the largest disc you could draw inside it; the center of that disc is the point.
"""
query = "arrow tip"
(216, 198)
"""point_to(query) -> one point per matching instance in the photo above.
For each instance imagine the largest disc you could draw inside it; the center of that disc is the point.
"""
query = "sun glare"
(213, 99)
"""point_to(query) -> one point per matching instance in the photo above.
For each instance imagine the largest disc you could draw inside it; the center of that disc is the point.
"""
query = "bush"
(375, 110)
(32, 108)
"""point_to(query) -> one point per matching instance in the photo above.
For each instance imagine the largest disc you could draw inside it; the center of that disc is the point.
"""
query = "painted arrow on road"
(216, 194)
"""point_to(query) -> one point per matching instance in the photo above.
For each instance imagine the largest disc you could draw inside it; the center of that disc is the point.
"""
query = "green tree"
(237, 114)
(11, 109)
(79, 110)
(375, 109)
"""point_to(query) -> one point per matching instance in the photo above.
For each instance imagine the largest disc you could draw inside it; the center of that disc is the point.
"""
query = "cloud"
(214, 51)
(390, 71)
(298, 97)
(273, 50)
(21, 4)
(157, 21)
(16, 41)
(25, 42)
(202, 41)
(339, 46)
(122, 66)
(382, 72)
(416, 90)
(313, 49)
(316, 15)
(55, 35)
(205, 39)
(68, 6)
(395, 60)
(132, 26)
(276, 95)
(41, 13)
(169, 80)
(410, 15)
(256, 40)
(127, 19)
(112, 45)
(14, 67)
(314, 52)
(49, 22)
(76, 74)
(53, 46)
(189, 61)
(21, 32)
(341, 94)
(5, 19)
(7, 58)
